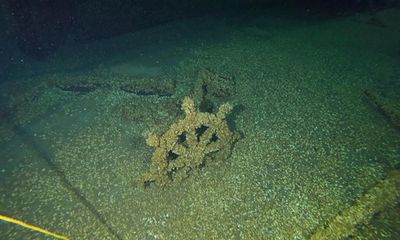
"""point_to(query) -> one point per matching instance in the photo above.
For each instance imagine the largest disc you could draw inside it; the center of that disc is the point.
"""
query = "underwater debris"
(383, 195)
(389, 107)
(78, 88)
(101, 79)
(149, 87)
(189, 143)
(211, 87)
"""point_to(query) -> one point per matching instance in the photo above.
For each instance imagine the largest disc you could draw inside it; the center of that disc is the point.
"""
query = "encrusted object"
(212, 88)
(346, 225)
(189, 143)
(102, 79)
(387, 102)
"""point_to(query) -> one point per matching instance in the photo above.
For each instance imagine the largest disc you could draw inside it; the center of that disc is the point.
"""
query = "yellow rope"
(26, 225)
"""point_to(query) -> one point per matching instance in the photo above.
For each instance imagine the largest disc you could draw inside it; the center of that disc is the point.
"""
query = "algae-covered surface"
(73, 132)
